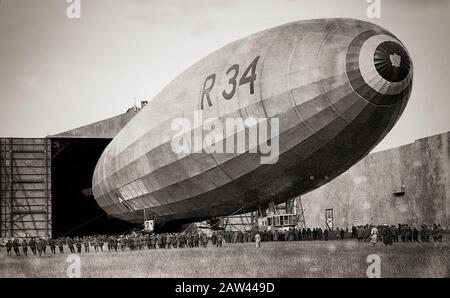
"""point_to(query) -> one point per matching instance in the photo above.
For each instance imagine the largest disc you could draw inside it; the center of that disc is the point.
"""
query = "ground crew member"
(258, 240)
(415, 235)
(174, 241)
(109, 243)
(159, 241)
(40, 246)
(52, 245)
(25, 247)
(94, 243)
(70, 245)
(16, 245)
(8, 247)
(213, 239)
(196, 240)
(32, 245)
(60, 243)
(219, 240)
(387, 239)
(168, 240)
(440, 232)
(86, 244)
(374, 236)
(100, 242)
(205, 240)
(122, 243)
(153, 240)
(78, 244)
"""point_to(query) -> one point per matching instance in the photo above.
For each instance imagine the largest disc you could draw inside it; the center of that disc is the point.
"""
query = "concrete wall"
(364, 194)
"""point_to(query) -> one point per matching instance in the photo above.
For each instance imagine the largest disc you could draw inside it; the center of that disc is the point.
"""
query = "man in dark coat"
(205, 240)
(25, 247)
(325, 234)
(32, 245)
(78, 244)
(415, 235)
(8, 247)
(60, 243)
(16, 245)
(387, 235)
(52, 244)
(40, 246)
(70, 244)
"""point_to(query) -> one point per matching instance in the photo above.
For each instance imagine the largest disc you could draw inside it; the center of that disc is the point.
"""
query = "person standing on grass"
(69, 242)
(415, 234)
(374, 235)
(387, 237)
(257, 240)
(40, 246)
(16, 245)
(205, 240)
(440, 233)
(25, 247)
(8, 247)
(78, 244)
(219, 240)
(325, 234)
(86, 244)
(32, 245)
(60, 243)
(52, 245)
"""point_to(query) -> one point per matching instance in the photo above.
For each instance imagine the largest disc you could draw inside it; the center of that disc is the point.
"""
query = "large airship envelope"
(328, 91)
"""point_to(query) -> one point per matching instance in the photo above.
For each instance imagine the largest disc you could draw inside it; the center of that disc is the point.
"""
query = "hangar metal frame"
(25, 188)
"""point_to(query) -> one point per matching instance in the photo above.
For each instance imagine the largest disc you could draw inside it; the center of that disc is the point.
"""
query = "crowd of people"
(403, 232)
(141, 240)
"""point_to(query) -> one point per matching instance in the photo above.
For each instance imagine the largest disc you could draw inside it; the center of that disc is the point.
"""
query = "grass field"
(274, 259)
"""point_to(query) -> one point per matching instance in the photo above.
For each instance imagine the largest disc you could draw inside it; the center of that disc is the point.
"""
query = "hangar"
(45, 182)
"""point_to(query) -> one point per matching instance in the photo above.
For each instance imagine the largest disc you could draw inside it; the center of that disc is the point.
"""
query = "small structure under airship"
(335, 86)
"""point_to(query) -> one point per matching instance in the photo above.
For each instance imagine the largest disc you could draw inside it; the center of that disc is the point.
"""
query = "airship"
(335, 87)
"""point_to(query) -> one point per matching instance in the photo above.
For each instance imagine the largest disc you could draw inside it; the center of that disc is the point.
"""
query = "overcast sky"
(58, 73)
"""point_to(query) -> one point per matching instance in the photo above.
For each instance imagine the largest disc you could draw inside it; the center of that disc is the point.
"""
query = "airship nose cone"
(379, 68)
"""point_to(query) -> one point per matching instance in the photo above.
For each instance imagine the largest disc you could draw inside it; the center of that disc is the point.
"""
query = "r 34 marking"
(249, 76)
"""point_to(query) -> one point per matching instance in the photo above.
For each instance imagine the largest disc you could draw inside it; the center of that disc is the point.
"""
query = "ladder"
(300, 212)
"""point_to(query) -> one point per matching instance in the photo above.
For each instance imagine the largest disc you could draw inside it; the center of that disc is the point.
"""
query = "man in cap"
(60, 243)
(78, 244)
(70, 244)
(52, 244)
(415, 234)
(86, 244)
(219, 240)
(8, 247)
(40, 246)
(25, 247)
(16, 245)
(387, 236)
(32, 245)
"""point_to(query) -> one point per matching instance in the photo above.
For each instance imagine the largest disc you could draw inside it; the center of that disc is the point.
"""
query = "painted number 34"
(249, 76)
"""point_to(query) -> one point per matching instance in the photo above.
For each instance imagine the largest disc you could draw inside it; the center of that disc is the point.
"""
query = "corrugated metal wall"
(25, 188)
